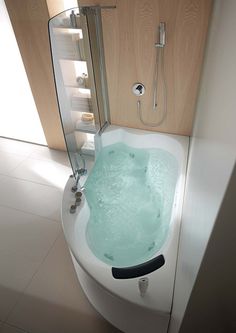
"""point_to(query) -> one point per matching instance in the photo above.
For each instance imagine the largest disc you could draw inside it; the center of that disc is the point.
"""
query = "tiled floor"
(39, 291)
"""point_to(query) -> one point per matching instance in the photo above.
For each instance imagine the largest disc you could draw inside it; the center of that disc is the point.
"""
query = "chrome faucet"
(81, 172)
(78, 172)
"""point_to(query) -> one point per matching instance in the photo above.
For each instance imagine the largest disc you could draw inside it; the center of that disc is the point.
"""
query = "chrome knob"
(77, 202)
(73, 209)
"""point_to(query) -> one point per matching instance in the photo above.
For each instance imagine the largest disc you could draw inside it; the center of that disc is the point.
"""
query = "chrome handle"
(162, 31)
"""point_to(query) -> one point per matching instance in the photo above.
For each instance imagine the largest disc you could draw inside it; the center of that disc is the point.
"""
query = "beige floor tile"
(31, 197)
(47, 154)
(3, 179)
(54, 301)
(43, 172)
(9, 161)
(25, 240)
(17, 147)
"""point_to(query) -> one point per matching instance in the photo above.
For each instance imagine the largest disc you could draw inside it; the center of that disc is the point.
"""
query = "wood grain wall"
(130, 32)
(29, 19)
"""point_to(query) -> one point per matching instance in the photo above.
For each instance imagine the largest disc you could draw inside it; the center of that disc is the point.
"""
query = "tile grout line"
(47, 159)
(14, 326)
(35, 150)
(23, 160)
(22, 294)
(31, 181)
(29, 155)
(26, 155)
(29, 213)
(23, 141)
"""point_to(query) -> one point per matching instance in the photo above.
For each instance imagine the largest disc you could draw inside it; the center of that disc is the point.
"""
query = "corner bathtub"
(114, 291)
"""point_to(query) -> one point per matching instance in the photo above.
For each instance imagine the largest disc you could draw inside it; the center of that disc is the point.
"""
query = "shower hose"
(159, 63)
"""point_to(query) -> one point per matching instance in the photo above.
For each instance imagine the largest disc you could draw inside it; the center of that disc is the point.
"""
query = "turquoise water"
(130, 193)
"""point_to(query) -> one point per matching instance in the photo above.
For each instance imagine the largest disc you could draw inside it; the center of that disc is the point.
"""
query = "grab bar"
(138, 270)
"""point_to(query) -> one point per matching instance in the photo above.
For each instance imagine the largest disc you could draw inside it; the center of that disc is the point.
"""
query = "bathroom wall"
(29, 20)
(18, 114)
(212, 153)
(130, 32)
(212, 305)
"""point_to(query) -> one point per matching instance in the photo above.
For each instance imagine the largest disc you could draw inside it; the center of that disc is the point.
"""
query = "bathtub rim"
(103, 268)
(123, 133)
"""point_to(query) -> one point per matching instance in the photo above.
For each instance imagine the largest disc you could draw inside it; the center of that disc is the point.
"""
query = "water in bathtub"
(130, 194)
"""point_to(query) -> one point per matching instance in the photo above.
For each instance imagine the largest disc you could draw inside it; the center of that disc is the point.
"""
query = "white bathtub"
(119, 300)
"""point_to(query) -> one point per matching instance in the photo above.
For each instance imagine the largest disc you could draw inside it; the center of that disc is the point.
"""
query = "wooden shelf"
(87, 130)
(81, 102)
(69, 45)
(79, 92)
(71, 70)
(69, 30)
(88, 148)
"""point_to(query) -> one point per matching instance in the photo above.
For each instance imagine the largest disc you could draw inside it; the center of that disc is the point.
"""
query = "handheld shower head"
(162, 35)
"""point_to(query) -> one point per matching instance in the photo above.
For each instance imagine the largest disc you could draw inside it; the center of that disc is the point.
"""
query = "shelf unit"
(77, 56)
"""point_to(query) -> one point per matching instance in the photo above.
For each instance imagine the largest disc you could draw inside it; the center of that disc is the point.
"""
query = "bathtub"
(115, 291)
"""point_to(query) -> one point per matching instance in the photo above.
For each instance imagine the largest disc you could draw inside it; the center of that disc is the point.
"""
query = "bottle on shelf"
(73, 22)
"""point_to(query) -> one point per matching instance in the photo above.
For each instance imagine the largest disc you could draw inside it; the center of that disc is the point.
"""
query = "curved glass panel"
(78, 76)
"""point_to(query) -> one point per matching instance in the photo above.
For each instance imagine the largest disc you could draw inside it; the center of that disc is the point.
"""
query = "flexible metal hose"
(159, 59)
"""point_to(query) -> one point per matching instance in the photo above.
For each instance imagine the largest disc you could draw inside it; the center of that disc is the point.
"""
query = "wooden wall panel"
(29, 19)
(130, 32)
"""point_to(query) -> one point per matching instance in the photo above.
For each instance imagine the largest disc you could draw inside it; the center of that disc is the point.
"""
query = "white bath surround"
(119, 301)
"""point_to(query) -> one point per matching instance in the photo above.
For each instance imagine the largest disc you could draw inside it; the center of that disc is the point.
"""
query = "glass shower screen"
(80, 79)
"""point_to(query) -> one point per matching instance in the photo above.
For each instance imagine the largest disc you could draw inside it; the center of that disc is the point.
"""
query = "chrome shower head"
(162, 35)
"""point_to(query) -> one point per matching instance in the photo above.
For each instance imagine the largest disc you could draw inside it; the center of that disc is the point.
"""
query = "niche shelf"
(82, 126)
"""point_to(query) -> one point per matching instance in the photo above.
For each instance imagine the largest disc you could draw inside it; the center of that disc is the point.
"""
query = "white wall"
(212, 304)
(18, 114)
(212, 153)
